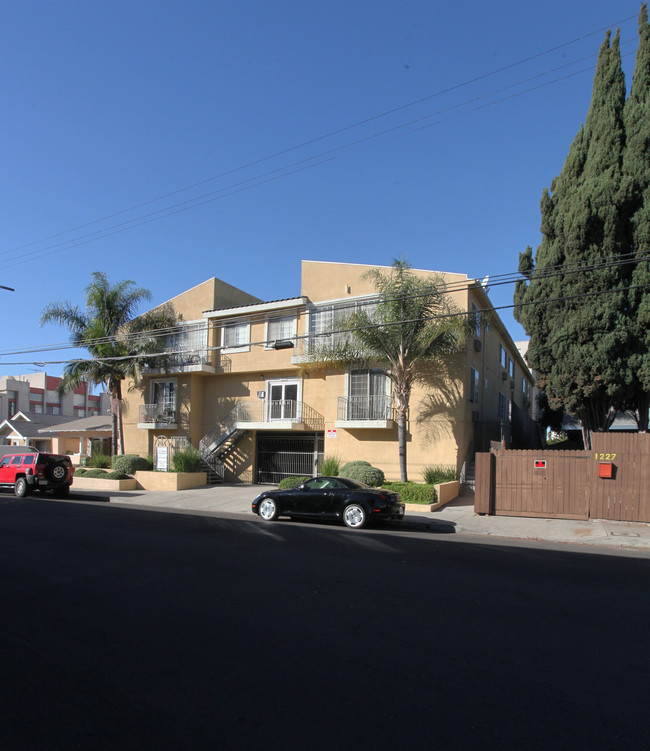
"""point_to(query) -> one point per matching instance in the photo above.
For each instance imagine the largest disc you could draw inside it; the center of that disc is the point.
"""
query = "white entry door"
(283, 400)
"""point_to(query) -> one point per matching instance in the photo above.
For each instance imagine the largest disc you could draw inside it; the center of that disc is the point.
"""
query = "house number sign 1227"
(605, 457)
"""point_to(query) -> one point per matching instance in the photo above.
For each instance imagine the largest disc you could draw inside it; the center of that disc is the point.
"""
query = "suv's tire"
(21, 488)
(56, 471)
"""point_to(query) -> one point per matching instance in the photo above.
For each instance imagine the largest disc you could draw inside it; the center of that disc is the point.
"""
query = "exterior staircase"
(468, 481)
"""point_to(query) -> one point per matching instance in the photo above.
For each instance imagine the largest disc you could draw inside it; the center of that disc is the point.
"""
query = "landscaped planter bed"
(446, 492)
(170, 480)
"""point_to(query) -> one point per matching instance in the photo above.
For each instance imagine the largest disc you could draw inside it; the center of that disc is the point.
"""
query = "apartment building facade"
(37, 393)
(241, 388)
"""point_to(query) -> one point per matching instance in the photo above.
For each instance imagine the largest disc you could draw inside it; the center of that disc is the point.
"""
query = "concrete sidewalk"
(457, 516)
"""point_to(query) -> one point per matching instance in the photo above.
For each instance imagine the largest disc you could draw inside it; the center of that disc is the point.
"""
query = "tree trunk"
(401, 443)
(120, 425)
(114, 430)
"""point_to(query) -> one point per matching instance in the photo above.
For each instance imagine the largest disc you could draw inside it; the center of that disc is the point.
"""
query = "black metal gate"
(280, 456)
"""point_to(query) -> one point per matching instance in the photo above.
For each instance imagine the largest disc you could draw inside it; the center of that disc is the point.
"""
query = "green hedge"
(363, 472)
(292, 482)
(131, 463)
(411, 492)
(80, 471)
(98, 473)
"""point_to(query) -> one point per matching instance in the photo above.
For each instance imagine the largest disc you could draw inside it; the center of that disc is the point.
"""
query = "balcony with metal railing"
(158, 417)
(203, 361)
(365, 412)
(262, 414)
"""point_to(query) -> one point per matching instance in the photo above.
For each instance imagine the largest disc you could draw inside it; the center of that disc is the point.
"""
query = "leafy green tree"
(637, 171)
(572, 300)
(409, 329)
(119, 344)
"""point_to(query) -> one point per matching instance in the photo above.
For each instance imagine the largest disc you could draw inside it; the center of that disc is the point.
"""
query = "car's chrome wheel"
(355, 516)
(268, 510)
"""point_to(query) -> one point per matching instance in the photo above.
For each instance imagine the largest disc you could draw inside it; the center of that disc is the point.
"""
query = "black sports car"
(353, 502)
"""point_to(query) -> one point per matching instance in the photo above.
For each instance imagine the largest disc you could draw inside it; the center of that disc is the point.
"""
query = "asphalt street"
(126, 628)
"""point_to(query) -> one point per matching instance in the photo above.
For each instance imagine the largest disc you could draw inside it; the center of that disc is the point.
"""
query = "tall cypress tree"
(576, 323)
(637, 172)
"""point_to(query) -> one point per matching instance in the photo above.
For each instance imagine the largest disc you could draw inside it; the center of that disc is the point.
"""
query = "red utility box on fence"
(606, 470)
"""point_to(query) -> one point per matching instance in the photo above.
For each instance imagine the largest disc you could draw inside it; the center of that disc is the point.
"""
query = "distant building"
(37, 393)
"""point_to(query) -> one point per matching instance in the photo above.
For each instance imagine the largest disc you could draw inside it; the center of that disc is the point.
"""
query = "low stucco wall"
(170, 480)
(447, 491)
(96, 483)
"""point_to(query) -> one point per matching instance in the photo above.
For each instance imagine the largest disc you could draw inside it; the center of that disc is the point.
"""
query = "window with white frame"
(473, 385)
(511, 367)
(280, 328)
(236, 336)
(189, 343)
(367, 395)
(163, 395)
(325, 321)
(502, 355)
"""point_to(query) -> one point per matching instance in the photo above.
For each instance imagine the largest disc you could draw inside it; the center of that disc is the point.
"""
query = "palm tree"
(410, 328)
(119, 343)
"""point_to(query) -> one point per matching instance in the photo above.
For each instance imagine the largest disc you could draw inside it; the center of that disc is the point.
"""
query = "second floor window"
(282, 327)
(235, 335)
(502, 355)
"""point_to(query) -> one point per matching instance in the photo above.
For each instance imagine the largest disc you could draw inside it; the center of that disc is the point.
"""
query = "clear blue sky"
(107, 106)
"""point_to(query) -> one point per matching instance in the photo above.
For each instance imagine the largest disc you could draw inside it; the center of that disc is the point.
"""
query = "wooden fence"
(610, 482)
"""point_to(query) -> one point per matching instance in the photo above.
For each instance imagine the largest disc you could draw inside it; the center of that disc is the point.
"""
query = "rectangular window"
(236, 335)
(164, 397)
(476, 320)
(367, 397)
(511, 368)
(277, 329)
(502, 356)
(327, 323)
(473, 385)
(189, 345)
(502, 406)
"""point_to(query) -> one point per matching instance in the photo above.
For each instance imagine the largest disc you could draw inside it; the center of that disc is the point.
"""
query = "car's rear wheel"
(269, 509)
(354, 516)
(21, 488)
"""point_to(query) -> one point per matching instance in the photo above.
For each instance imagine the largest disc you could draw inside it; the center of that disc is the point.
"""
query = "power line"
(308, 336)
(302, 164)
(448, 288)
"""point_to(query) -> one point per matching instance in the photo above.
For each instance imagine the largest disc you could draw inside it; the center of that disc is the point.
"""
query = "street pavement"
(456, 517)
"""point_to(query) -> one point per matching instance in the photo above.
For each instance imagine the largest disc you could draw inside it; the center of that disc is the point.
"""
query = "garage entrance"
(286, 455)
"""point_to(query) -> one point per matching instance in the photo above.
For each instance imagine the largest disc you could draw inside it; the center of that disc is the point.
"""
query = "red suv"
(33, 470)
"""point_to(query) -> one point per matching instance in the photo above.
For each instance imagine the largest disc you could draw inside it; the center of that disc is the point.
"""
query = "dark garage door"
(280, 456)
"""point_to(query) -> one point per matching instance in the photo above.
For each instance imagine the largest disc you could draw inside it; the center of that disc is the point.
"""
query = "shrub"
(99, 461)
(80, 471)
(97, 473)
(411, 492)
(292, 482)
(363, 472)
(130, 463)
(347, 467)
(187, 460)
(116, 476)
(435, 474)
(330, 466)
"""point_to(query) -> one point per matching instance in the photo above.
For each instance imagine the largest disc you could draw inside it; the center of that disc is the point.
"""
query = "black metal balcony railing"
(352, 408)
(156, 414)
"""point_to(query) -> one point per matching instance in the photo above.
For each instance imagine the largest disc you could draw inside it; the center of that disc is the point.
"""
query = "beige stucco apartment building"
(239, 388)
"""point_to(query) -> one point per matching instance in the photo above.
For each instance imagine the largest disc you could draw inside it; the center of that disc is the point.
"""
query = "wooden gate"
(610, 482)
